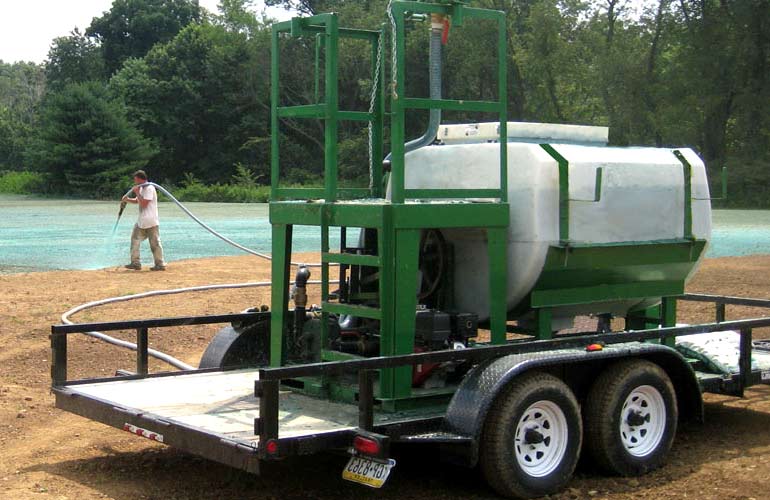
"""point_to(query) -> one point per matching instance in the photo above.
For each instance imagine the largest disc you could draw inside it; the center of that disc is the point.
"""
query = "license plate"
(368, 472)
(765, 376)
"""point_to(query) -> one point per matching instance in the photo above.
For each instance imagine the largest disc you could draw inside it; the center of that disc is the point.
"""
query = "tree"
(73, 59)
(193, 96)
(301, 6)
(235, 15)
(132, 27)
(21, 88)
(659, 72)
(86, 142)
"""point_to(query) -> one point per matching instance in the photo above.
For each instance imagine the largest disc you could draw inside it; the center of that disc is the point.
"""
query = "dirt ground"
(47, 453)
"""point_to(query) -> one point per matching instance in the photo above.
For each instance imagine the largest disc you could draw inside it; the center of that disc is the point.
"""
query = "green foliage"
(661, 73)
(302, 6)
(193, 94)
(73, 59)
(22, 183)
(13, 137)
(235, 15)
(223, 193)
(21, 88)
(747, 185)
(244, 176)
(241, 189)
(86, 143)
(132, 27)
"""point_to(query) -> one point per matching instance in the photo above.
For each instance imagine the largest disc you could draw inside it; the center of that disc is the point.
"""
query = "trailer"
(244, 416)
(446, 315)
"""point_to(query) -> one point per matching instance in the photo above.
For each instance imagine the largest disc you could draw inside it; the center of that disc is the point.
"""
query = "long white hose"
(65, 318)
(212, 231)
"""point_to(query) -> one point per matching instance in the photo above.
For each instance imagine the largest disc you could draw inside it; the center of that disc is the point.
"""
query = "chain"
(372, 101)
(376, 83)
(393, 49)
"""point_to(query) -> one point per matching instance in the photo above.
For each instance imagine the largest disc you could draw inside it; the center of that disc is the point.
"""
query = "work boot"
(135, 267)
(156, 267)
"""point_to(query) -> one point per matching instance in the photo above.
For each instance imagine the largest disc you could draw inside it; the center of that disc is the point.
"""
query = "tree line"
(167, 86)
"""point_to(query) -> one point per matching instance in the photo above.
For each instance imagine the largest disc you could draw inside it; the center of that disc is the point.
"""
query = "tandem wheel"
(630, 418)
(532, 437)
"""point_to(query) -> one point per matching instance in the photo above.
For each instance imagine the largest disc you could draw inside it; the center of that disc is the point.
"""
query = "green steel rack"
(399, 220)
(573, 273)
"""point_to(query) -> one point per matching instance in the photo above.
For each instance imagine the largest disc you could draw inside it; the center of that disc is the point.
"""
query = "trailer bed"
(240, 417)
(221, 403)
(202, 411)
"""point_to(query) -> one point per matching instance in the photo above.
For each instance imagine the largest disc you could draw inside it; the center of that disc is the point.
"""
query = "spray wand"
(123, 207)
(120, 214)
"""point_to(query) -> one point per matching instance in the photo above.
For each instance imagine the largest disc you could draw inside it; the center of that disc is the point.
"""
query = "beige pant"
(138, 236)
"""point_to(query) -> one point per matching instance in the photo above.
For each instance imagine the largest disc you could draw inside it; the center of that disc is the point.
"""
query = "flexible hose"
(214, 232)
(436, 76)
(65, 318)
(434, 119)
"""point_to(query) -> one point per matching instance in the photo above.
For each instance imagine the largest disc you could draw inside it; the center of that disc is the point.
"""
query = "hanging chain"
(372, 101)
(393, 51)
(378, 70)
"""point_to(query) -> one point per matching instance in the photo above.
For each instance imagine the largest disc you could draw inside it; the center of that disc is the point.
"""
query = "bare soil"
(47, 453)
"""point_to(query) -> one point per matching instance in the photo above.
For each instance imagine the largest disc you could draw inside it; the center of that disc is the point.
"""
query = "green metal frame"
(399, 221)
(573, 274)
(327, 33)
(400, 103)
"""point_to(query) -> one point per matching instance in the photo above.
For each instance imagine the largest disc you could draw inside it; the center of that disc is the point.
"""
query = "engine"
(438, 326)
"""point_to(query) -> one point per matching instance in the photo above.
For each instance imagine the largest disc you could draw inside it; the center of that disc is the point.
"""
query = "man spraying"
(147, 225)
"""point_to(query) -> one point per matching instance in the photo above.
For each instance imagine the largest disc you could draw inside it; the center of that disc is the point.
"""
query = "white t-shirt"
(148, 216)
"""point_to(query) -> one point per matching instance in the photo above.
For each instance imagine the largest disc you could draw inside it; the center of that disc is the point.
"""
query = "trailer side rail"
(266, 387)
(59, 334)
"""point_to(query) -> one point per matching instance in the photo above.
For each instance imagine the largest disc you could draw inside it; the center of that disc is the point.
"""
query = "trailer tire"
(639, 390)
(538, 409)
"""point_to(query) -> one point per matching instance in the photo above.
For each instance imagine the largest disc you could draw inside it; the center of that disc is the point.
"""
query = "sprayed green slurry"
(41, 234)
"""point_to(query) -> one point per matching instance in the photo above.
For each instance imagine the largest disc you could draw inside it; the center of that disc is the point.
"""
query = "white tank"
(642, 200)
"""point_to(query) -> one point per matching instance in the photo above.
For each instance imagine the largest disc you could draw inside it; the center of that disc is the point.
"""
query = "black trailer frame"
(266, 443)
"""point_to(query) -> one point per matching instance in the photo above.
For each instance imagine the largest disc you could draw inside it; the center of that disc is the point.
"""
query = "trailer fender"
(578, 368)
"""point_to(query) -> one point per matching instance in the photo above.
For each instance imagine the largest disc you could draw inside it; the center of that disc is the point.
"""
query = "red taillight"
(594, 347)
(272, 447)
(367, 446)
